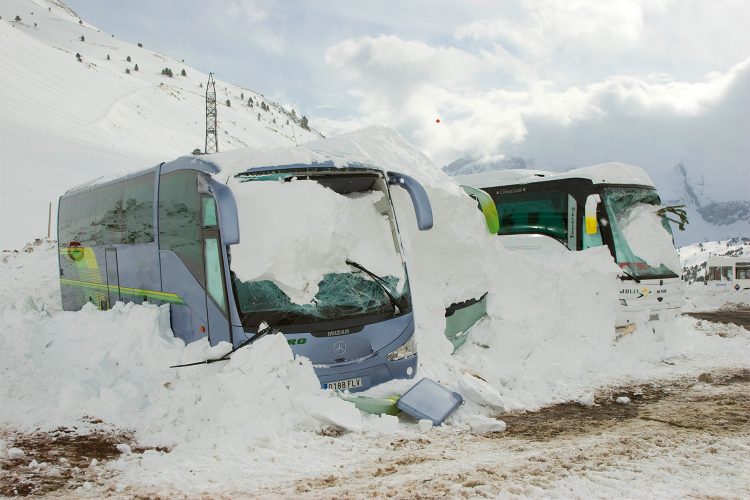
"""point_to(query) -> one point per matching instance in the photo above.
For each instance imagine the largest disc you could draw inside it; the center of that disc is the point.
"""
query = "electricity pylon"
(212, 139)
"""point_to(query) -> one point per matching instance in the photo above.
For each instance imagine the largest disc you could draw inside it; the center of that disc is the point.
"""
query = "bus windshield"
(644, 247)
(293, 265)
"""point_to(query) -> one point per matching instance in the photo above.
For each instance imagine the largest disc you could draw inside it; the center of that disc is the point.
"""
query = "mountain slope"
(65, 122)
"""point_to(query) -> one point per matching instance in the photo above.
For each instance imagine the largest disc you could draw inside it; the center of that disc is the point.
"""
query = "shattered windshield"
(643, 241)
(299, 236)
(340, 296)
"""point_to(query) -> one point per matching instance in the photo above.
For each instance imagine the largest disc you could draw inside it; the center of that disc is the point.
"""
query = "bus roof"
(725, 260)
(604, 173)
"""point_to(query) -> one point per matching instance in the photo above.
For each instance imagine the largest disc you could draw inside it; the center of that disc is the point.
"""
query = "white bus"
(613, 204)
(730, 272)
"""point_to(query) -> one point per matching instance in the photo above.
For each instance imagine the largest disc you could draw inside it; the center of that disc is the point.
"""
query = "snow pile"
(124, 379)
(697, 254)
(704, 298)
(296, 232)
(647, 237)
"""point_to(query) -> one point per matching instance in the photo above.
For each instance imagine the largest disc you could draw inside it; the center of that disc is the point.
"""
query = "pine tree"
(167, 72)
(183, 72)
(80, 22)
(108, 57)
(242, 96)
(258, 116)
(135, 68)
(140, 44)
(83, 39)
(229, 103)
(17, 19)
(127, 71)
(250, 102)
(78, 56)
(127, 59)
(303, 123)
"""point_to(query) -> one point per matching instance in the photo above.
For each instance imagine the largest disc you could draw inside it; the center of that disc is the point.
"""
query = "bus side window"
(179, 223)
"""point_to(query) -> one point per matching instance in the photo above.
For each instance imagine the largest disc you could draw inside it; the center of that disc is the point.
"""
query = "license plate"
(341, 385)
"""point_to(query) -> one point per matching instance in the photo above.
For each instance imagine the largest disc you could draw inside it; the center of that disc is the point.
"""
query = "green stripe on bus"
(172, 298)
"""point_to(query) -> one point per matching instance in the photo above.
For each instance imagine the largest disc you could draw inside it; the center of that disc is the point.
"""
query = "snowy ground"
(65, 418)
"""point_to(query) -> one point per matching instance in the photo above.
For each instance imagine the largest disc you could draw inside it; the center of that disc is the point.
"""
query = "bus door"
(216, 295)
(113, 277)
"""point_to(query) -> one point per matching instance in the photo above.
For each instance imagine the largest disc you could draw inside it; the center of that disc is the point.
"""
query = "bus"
(729, 272)
(171, 235)
(613, 205)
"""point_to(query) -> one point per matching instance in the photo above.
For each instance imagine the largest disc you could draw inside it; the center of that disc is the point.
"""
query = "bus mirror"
(228, 219)
(418, 195)
(591, 202)
(487, 206)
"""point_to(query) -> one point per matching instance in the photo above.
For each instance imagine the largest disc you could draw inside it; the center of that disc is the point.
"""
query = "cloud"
(408, 85)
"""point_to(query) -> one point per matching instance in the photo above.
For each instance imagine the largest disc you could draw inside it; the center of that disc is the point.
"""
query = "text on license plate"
(341, 385)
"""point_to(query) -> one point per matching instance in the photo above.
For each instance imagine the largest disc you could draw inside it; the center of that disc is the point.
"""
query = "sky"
(560, 83)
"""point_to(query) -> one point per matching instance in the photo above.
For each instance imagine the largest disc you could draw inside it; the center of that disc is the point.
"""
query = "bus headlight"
(409, 348)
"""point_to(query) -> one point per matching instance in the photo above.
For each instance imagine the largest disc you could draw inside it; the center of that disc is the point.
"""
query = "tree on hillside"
(250, 101)
(197, 151)
(127, 59)
(303, 123)
(258, 116)
(83, 39)
(183, 72)
(135, 68)
(80, 22)
(107, 57)
(140, 44)
(17, 19)
(242, 96)
(229, 103)
(127, 71)
(167, 72)
(78, 57)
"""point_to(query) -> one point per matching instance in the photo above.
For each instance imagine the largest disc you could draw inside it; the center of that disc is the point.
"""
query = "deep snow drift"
(549, 337)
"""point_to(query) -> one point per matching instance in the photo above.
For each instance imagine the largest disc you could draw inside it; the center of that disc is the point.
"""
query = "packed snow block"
(428, 400)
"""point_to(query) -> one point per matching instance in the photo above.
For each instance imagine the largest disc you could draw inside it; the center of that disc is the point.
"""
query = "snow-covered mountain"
(465, 166)
(714, 215)
(77, 103)
(694, 257)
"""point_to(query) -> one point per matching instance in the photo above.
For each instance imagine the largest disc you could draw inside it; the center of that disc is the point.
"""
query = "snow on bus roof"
(728, 260)
(603, 173)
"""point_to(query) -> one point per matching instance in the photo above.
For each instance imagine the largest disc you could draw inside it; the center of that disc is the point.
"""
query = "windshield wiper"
(263, 330)
(632, 277)
(381, 283)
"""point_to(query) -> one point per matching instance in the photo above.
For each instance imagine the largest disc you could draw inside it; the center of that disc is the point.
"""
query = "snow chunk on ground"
(15, 454)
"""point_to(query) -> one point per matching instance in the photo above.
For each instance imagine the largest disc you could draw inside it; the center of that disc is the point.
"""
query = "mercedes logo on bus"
(339, 348)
